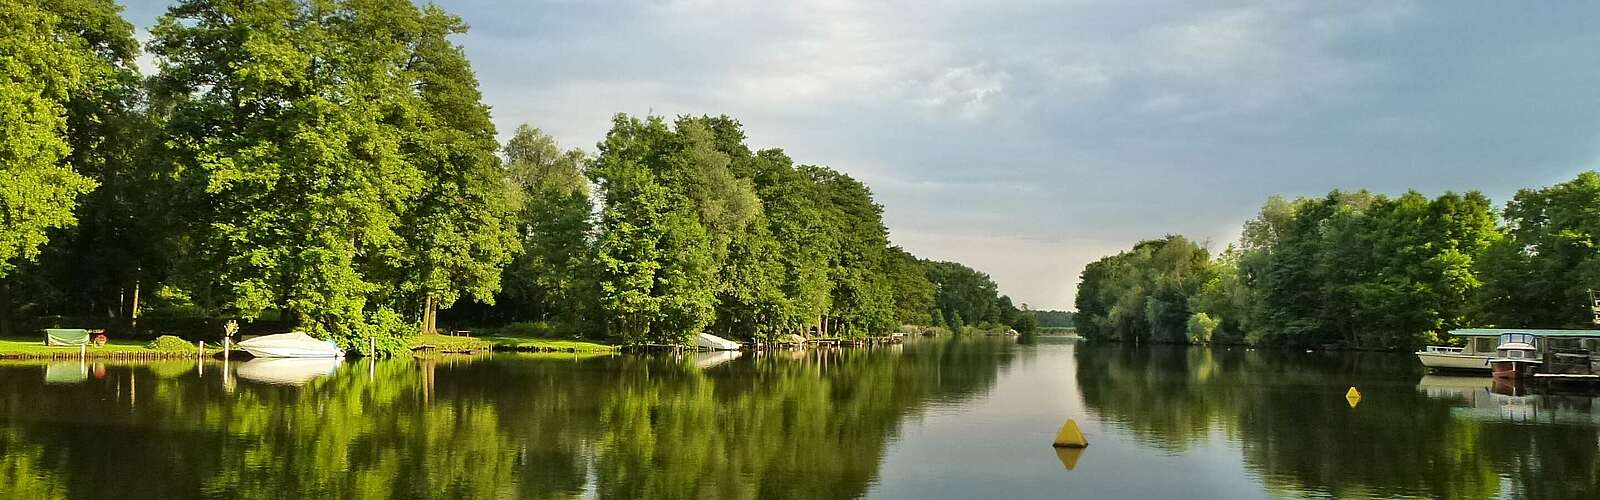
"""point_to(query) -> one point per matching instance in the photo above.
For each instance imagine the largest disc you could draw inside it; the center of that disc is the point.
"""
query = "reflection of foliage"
(1298, 433)
(23, 469)
(776, 426)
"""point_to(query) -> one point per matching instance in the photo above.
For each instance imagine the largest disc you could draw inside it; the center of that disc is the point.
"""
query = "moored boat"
(1439, 358)
(291, 345)
(1516, 358)
(714, 343)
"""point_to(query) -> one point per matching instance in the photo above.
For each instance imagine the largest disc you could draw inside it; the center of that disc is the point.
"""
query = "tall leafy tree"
(913, 292)
(1540, 273)
(459, 231)
(46, 62)
(1143, 294)
(301, 138)
(654, 260)
(551, 278)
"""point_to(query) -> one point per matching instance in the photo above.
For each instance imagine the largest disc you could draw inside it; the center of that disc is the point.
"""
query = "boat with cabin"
(1516, 358)
(1523, 354)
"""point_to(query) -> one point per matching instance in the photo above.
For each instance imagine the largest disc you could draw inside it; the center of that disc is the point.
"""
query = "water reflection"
(781, 425)
(1411, 435)
(939, 418)
(286, 371)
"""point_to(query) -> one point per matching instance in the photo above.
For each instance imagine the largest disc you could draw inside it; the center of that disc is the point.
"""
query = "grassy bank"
(34, 348)
(450, 343)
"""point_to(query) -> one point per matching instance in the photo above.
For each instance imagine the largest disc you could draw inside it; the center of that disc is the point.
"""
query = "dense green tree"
(45, 63)
(1026, 322)
(72, 122)
(654, 257)
(1540, 273)
(459, 231)
(1352, 269)
(1054, 319)
(963, 290)
(861, 301)
(1144, 293)
(913, 292)
(303, 138)
(550, 280)
(793, 206)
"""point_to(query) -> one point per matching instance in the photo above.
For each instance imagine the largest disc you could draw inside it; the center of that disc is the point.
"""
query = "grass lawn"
(26, 347)
(532, 344)
(451, 343)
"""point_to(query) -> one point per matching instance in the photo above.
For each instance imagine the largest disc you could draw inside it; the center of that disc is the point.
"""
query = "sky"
(1026, 138)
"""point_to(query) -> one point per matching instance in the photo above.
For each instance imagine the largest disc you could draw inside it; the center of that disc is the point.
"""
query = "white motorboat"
(1453, 358)
(291, 345)
(715, 343)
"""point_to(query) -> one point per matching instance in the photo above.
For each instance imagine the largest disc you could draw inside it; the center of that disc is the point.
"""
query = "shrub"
(169, 343)
(1201, 326)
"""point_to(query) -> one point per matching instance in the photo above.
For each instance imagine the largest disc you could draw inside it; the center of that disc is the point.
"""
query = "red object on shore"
(100, 340)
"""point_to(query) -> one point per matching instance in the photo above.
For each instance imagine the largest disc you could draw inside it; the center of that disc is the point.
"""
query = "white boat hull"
(291, 345)
(1456, 362)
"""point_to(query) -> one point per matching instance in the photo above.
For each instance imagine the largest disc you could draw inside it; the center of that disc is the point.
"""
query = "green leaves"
(1353, 269)
(336, 159)
(43, 64)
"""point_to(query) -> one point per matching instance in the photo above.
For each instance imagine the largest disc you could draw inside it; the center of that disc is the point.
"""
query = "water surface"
(935, 418)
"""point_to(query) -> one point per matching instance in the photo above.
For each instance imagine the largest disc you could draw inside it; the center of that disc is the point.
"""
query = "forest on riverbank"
(331, 166)
(1360, 270)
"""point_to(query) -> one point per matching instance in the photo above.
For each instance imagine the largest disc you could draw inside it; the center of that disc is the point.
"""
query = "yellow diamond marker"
(1354, 397)
(1070, 437)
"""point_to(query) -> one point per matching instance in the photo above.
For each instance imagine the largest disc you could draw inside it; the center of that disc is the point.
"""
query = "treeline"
(1360, 270)
(331, 166)
(1054, 319)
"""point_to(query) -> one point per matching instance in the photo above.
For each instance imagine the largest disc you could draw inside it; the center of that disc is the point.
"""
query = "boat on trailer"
(291, 345)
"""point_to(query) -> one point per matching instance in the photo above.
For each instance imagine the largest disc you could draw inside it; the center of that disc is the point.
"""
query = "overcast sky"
(1027, 138)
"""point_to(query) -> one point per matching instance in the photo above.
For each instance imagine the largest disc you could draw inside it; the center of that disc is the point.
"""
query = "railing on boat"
(1433, 349)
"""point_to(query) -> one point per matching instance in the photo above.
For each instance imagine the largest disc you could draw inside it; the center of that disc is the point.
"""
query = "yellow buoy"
(1353, 396)
(1070, 437)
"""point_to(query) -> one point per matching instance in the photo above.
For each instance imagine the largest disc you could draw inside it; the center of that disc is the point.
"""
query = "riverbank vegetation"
(331, 167)
(1360, 270)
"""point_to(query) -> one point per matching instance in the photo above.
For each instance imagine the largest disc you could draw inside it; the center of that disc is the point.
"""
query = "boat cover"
(715, 343)
(291, 345)
(66, 336)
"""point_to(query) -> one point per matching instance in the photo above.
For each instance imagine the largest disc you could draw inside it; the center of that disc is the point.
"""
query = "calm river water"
(935, 418)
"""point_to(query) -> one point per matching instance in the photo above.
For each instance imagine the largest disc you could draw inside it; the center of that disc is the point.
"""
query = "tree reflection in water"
(1287, 412)
(772, 425)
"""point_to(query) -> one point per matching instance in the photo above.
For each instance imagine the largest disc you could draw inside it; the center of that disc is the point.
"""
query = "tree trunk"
(133, 309)
(5, 307)
(429, 312)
